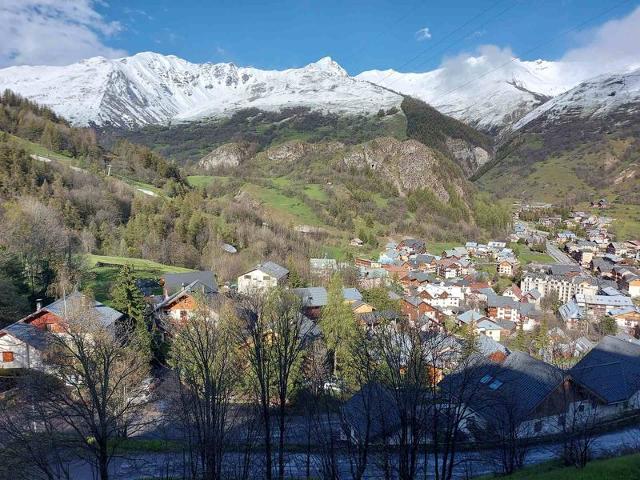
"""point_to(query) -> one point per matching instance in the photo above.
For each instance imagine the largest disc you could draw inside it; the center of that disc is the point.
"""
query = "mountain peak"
(327, 64)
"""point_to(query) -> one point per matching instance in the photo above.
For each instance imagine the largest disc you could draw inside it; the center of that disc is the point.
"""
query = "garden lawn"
(626, 467)
(104, 270)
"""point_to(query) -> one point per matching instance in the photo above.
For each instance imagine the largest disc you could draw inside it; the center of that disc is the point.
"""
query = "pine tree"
(337, 322)
(127, 298)
(520, 342)
(541, 340)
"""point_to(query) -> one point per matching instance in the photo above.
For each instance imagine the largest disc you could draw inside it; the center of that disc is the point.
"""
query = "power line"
(453, 32)
(552, 39)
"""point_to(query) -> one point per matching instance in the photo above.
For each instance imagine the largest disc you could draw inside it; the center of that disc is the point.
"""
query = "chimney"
(38, 304)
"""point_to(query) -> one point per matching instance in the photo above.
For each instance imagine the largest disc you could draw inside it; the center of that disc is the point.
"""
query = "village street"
(557, 254)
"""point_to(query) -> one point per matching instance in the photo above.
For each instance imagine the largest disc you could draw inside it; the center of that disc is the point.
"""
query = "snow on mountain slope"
(480, 93)
(150, 88)
(598, 97)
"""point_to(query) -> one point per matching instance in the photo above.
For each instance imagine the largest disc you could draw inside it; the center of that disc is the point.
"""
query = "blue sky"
(409, 35)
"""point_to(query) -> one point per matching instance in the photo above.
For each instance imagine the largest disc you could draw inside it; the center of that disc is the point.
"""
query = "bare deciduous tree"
(205, 357)
(102, 396)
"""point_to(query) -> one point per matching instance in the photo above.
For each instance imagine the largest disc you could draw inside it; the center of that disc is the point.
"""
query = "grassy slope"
(619, 468)
(101, 277)
(37, 149)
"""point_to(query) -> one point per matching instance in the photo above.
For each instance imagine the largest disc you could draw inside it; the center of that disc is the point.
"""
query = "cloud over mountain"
(53, 32)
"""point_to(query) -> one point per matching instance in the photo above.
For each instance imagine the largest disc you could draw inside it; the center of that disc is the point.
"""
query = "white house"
(22, 346)
(264, 276)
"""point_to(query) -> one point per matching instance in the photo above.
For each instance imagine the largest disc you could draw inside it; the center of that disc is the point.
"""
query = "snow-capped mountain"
(479, 93)
(149, 88)
(614, 96)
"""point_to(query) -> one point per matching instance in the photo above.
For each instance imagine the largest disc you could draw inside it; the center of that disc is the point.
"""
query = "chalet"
(566, 236)
(23, 343)
(600, 305)
(514, 292)
(456, 253)
(264, 276)
(505, 308)
(469, 317)
(520, 389)
(506, 268)
(497, 244)
(611, 370)
(627, 318)
(359, 307)
(416, 279)
(372, 277)
(173, 282)
(411, 246)
(490, 329)
(413, 307)
(323, 267)
(618, 248)
(176, 308)
(313, 300)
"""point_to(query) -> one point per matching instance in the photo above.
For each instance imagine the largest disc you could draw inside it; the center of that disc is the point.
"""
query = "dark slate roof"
(312, 296)
(175, 281)
(563, 269)
(273, 269)
(521, 384)
(381, 405)
(29, 334)
(106, 315)
(611, 369)
(194, 287)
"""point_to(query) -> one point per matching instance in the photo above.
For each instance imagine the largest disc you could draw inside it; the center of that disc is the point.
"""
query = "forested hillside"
(288, 202)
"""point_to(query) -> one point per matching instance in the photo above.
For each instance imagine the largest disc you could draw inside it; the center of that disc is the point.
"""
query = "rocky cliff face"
(408, 164)
(468, 156)
(295, 150)
(227, 155)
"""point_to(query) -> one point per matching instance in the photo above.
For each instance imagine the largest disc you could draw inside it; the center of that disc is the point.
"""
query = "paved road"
(469, 463)
(558, 255)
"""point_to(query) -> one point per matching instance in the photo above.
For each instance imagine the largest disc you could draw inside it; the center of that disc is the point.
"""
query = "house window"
(496, 384)
(183, 315)
(581, 408)
(537, 427)
(561, 420)
(486, 379)
(247, 277)
(7, 357)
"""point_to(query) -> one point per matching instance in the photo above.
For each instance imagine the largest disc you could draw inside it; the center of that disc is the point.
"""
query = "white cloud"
(614, 45)
(53, 32)
(423, 34)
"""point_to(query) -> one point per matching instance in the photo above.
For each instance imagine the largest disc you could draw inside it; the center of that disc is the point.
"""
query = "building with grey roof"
(264, 276)
(172, 282)
(611, 370)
